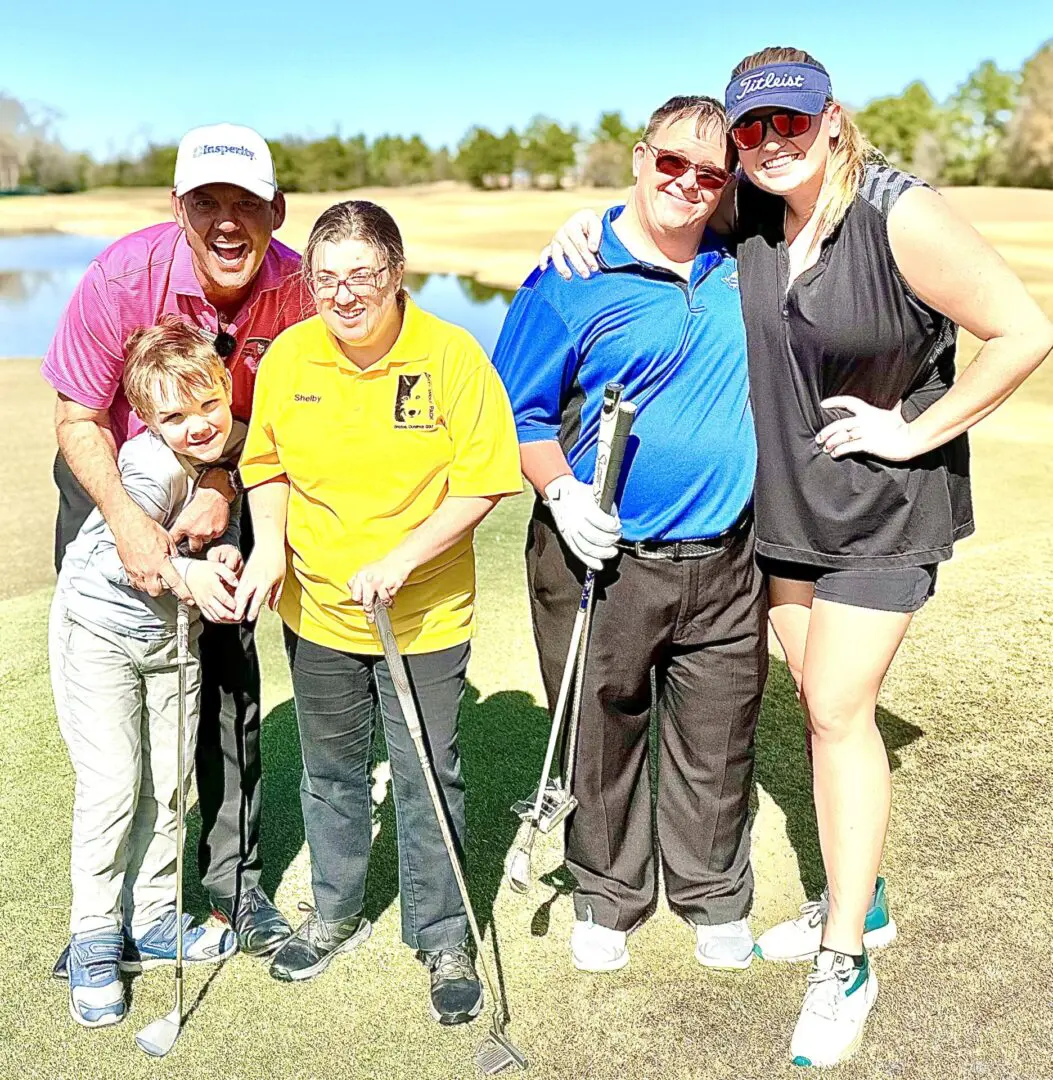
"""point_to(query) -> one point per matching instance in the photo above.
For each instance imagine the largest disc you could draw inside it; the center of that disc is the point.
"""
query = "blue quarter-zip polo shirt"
(679, 348)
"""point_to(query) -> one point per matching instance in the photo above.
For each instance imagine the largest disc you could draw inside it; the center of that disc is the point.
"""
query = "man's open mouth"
(229, 254)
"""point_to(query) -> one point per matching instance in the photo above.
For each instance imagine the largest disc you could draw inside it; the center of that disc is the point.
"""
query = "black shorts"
(903, 588)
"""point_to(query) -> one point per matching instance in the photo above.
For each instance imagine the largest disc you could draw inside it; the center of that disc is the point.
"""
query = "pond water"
(39, 271)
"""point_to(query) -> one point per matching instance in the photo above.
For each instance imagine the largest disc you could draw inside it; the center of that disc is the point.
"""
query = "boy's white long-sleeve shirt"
(93, 581)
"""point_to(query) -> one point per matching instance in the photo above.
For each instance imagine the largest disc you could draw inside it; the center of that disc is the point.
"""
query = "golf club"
(497, 1052)
(158, 1038)
(550, 808)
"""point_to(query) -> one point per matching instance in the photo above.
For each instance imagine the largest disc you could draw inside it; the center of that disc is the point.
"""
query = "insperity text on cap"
(225, 154)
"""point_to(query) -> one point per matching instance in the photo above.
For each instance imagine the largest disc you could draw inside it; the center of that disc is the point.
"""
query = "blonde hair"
(849, 154)
(169, 360)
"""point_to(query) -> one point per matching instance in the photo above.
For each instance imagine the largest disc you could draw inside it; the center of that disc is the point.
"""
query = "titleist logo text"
(767, 81)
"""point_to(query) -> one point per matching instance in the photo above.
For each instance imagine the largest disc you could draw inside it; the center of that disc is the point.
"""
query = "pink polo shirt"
(133, 283)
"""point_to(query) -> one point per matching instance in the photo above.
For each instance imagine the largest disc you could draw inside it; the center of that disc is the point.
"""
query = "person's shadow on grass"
(502, 738)
(783, 770)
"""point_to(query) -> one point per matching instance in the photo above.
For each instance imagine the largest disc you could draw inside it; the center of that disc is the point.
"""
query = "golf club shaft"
(561, 707)
(400, 678)
(608, 477)
(182, 659)
(604, 492)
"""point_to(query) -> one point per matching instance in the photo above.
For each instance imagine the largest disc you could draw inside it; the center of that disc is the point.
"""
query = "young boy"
(113, 672)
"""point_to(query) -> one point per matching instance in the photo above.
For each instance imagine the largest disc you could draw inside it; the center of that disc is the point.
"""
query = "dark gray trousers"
(701, 625)
(227, 763)
(336, 693)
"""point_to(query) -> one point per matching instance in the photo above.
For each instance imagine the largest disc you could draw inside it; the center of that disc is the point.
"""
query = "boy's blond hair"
(172, 360)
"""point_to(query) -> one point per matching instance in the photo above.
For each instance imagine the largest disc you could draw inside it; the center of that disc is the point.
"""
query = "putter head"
(555, 806)
(158, 1037)
(497, 1052)
(554, 810)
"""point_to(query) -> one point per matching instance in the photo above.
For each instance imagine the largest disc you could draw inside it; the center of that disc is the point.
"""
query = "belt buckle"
(642, 551)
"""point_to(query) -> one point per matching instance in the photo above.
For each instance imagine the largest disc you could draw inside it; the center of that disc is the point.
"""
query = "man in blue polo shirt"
(679, 593)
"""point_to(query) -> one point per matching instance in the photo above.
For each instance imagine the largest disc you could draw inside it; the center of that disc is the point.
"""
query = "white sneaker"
(726, 945)
(597, 948)
(799, 939)
(836, 1005)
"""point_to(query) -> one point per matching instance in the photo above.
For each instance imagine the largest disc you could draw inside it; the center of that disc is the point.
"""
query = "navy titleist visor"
(799, 87)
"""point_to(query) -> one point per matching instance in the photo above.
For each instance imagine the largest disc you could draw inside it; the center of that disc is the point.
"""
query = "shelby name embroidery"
(768, 81)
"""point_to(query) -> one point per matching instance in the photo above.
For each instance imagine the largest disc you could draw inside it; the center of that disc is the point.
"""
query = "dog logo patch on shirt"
(414, 403)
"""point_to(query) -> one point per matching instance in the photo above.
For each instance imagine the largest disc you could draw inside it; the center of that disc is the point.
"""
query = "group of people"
(240, 426)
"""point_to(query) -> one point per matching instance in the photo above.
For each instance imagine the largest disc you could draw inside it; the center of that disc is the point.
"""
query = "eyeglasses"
(672, 164)
(358, 283)
(225, 344)
(749, 134)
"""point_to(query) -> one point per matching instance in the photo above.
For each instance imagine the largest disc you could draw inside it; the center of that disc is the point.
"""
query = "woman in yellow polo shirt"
(380, 437)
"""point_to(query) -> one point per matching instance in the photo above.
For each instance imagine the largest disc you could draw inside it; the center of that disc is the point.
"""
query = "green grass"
(966, 714)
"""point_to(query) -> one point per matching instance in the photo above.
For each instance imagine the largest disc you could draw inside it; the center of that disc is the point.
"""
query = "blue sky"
(123, 71)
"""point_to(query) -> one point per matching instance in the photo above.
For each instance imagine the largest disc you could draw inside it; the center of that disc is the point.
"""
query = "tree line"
(995, 129)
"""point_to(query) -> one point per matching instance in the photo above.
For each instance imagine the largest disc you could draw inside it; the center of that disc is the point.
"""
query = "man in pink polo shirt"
(219, 269)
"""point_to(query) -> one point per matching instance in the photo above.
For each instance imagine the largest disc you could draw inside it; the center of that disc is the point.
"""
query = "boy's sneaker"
(157, 946)
(456, 993)
(96, 993)
(836, 1005)
(312, 947)
(726, 945)
(799, 939)
(597, 948)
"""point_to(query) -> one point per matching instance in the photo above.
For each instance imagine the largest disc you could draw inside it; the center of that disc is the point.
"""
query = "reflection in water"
(38, 274)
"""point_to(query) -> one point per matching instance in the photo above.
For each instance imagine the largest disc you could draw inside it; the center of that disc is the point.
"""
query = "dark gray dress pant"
(700, 624)
(227, 762)
(337, 694)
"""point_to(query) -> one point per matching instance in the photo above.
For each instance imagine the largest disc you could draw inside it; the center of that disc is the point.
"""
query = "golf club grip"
(623, 424)
(182, 633)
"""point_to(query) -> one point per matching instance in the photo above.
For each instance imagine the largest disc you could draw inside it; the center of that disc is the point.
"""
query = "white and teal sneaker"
(799, 939)
(836, 1005)
(157, 946)
(96, 993)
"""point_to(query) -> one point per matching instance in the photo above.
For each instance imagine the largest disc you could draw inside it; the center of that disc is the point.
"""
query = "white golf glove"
(589, 532)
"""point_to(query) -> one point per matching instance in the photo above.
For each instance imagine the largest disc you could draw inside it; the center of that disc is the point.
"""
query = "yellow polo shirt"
(369, 455)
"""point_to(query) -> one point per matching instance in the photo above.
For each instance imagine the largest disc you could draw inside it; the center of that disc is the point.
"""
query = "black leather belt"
(689, 549)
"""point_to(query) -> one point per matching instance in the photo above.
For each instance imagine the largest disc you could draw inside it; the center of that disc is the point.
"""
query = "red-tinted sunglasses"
(749, 134)
(670, 163)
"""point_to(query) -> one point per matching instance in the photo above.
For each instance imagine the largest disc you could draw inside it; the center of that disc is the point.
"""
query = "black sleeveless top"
(848, 325)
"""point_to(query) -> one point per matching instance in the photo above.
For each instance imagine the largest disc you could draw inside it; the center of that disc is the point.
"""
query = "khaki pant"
(117, 700)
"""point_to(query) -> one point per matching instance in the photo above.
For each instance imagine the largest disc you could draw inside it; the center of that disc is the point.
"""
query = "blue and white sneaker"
(799, 939)
(96, 993)
(836, 1005)
(157, 947)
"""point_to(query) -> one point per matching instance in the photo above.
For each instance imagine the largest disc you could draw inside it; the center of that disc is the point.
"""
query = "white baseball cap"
(225, 154)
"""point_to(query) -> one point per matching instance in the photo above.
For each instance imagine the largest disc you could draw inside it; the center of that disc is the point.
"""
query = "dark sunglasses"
(670, 163)
(749, 134)
(225, 344)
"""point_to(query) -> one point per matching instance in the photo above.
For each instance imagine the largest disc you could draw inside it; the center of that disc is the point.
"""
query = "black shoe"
(308, 952)
(456, 993)
(61, 968)
(260, 926)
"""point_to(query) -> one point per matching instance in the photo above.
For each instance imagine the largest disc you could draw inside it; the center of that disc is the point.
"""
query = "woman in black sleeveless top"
(853, 277)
